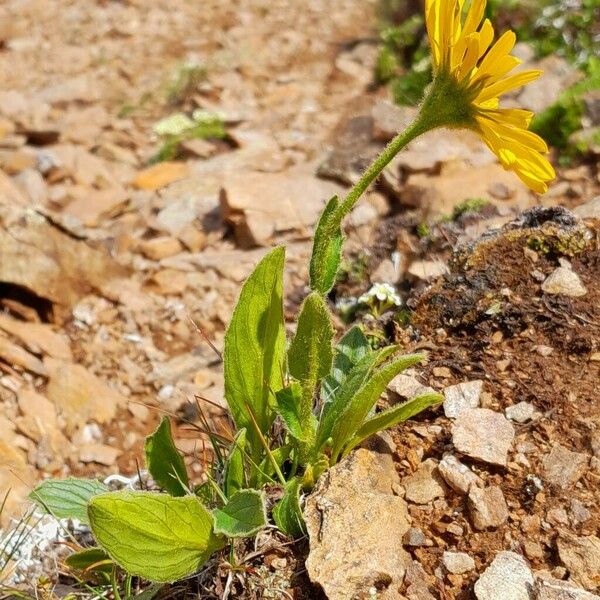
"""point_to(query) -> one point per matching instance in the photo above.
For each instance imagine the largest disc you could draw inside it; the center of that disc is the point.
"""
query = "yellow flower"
(470, 75)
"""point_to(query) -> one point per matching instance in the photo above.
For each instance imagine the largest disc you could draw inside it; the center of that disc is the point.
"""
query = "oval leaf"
(254, 350)
(90, 559)
(242, 516)
(287, 513)
(67, 498)
(164, 461)
(234, 477)
(327, 249)
(154, 536)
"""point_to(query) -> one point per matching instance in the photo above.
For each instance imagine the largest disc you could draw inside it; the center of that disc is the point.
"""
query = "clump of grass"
(184, 82)
(179, 127)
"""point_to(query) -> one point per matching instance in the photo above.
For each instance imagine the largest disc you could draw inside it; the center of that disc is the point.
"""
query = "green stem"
(115, 583)
(414, 130)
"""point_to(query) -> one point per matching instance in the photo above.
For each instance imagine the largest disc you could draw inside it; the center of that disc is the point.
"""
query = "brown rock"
(483, 434)
(192, 238)
(40, 257)
(355, 527)
(96, 205)
(15, 356)
(487, 507)
(581, 555)
(425, 484)
(259, 205)
(79, 396)
(10, 194)
(160, 175)
(38, 337)
(563, 467)
(160, 247)
(98, 453)
(39, 412)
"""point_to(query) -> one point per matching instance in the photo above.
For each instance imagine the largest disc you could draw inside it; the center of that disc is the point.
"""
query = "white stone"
(520, 412)
(462, 396)
(457, 562)
(508, 578)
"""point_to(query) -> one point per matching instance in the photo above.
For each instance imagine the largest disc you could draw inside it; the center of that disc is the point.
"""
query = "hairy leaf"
(348, 352)
(310, 354)
(254, 352)
(67, 498)
(287, 513)
(357, 376)
(357, 410)
(327, 248)
(90, 559)
(235, 477)
(392, 416)
(155, 536)
(164, 461)
(289, 402)
(243, 515)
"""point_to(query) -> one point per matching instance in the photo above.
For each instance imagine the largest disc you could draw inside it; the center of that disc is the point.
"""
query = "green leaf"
(357, 410)
(90, 559)
(155, 536)
(164, 461)
(289, 402)
(287, 513)
(310, 354)
(392, 416)
(348, 352)
(243, 515)
(235, 476)
(266, 471)
(254, 352)
(67, 498)
(357, 376)
(327, 248)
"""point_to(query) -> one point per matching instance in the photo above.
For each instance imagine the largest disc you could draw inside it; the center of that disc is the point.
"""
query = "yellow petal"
(500, 49)
(486, 36)
(504, 85)
(471, 57)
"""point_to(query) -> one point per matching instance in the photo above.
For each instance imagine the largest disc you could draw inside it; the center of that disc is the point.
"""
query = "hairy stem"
(414, 130)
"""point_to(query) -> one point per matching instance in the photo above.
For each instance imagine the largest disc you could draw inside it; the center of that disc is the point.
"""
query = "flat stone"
(520, 412)
(457, 475)
(80, 396)
(427, 269)
(160, 175)
(563, 467)
(564, 281)
(581, 555)
(508, 578)
(408, 387)
(589, 210)
(462, 396)
(425, 484)
(15, 356)
(98, 453)
(547, 588)
(259, 205)
(38, 337)
(355, 526)
(487, 507)
(160, 247)
(457, 562)
(483, 434)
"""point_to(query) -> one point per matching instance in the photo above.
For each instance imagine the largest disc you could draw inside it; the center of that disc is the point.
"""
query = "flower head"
(471, 72)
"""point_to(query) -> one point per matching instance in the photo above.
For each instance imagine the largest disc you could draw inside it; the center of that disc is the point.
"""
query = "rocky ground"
(117, 276)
